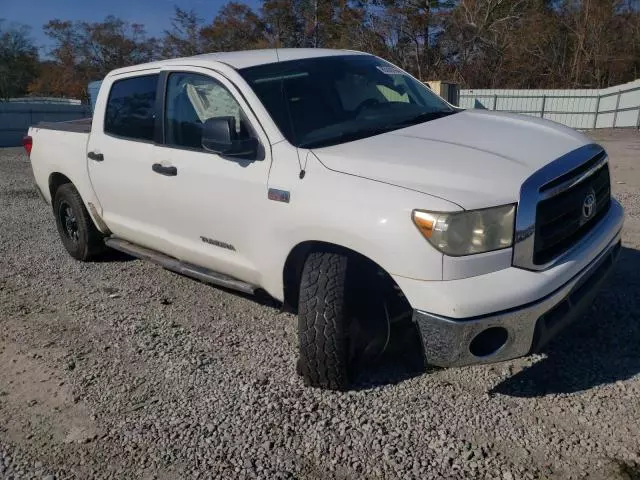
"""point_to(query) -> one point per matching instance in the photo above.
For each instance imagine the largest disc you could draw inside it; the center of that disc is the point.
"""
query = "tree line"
(477, 43)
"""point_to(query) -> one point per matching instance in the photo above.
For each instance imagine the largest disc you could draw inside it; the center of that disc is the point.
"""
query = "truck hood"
(474, 158)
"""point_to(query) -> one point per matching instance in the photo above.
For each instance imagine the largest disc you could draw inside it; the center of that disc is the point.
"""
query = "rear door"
(120, 152)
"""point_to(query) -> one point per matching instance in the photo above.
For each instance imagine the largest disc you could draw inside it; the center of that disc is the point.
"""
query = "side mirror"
(219, 136)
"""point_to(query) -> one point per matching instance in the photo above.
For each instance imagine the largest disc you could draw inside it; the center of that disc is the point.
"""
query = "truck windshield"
(317, 102)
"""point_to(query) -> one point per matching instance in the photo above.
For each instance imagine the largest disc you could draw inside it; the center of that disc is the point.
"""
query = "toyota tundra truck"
(344, 188)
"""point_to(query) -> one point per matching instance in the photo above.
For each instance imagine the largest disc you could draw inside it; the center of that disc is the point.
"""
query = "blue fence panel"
(17, 117)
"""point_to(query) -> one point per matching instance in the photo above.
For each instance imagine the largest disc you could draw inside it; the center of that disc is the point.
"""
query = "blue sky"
(154, 14)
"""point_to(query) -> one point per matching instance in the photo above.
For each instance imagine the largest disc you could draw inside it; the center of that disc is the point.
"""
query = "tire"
(79, 235)
(323, 322)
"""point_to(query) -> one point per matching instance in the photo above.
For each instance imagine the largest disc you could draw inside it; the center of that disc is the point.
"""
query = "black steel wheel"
(69, 221)
(79, 235)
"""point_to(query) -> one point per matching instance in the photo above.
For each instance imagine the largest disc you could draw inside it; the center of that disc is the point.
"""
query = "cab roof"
(244, 58)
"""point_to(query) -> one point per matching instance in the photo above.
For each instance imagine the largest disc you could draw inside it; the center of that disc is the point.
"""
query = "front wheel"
(79, 235)
(322, 322)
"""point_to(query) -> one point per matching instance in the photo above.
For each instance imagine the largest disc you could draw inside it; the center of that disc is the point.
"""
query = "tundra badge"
(218, 243)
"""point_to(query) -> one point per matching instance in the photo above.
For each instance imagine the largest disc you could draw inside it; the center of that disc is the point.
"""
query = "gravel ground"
(121, 369)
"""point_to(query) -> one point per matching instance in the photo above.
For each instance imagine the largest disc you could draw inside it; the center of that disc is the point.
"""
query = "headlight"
(467, 232)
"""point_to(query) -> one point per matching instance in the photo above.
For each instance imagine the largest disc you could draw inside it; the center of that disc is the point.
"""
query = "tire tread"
(322, 321)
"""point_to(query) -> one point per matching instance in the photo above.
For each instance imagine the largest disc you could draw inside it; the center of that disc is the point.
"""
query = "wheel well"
(294, 264)
(56, 180)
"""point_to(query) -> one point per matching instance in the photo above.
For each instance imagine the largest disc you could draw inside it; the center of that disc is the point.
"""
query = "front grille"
(560, 222)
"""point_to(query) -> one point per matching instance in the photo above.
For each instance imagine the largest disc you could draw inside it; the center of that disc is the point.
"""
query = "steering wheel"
(368, 103)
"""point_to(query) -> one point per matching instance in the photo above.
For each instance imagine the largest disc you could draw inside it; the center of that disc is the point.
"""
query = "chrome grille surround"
(533, 191)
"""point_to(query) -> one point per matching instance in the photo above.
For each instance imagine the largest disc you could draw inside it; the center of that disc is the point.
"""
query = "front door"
(213, 198)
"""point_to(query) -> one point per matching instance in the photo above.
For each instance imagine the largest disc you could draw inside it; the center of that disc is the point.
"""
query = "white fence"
(585, 109)
(17, 117)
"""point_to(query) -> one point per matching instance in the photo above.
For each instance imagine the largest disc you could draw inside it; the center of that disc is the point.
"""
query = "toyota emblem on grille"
(589, 205)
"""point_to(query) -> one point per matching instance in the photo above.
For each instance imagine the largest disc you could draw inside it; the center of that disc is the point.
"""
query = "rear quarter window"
(131, 107)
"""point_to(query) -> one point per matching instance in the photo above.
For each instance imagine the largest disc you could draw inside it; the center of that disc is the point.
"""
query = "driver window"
(191, 100)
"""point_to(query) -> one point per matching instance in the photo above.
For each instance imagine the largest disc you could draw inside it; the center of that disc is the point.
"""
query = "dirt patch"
(37, 402)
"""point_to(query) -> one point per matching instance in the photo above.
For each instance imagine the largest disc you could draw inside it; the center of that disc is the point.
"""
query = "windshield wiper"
(358, 134)
(426, 116)
(347, 137)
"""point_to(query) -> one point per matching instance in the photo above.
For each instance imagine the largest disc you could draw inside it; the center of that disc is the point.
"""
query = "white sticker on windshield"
(390, 70)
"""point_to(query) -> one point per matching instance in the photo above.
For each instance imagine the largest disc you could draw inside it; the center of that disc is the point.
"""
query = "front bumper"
(515, 332)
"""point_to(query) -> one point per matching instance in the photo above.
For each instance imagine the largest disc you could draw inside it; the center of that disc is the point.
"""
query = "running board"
(175, 265)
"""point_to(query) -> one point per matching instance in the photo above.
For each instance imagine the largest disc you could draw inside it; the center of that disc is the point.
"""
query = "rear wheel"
(79, 235)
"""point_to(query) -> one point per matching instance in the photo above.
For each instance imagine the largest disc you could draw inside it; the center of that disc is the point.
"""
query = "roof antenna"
(303, 169)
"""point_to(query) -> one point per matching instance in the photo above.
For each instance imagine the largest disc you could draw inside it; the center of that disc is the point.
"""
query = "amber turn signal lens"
(425, 222)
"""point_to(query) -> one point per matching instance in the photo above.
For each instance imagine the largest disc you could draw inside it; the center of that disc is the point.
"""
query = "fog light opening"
(488, 341)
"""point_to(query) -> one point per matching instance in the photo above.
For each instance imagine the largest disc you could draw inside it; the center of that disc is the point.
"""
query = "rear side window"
(130, 108)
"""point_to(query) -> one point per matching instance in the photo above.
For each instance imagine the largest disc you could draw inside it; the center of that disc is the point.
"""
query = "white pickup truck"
(344, 188)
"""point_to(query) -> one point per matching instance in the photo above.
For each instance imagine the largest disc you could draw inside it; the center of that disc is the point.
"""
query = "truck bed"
(61, 147)
(82, 125)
